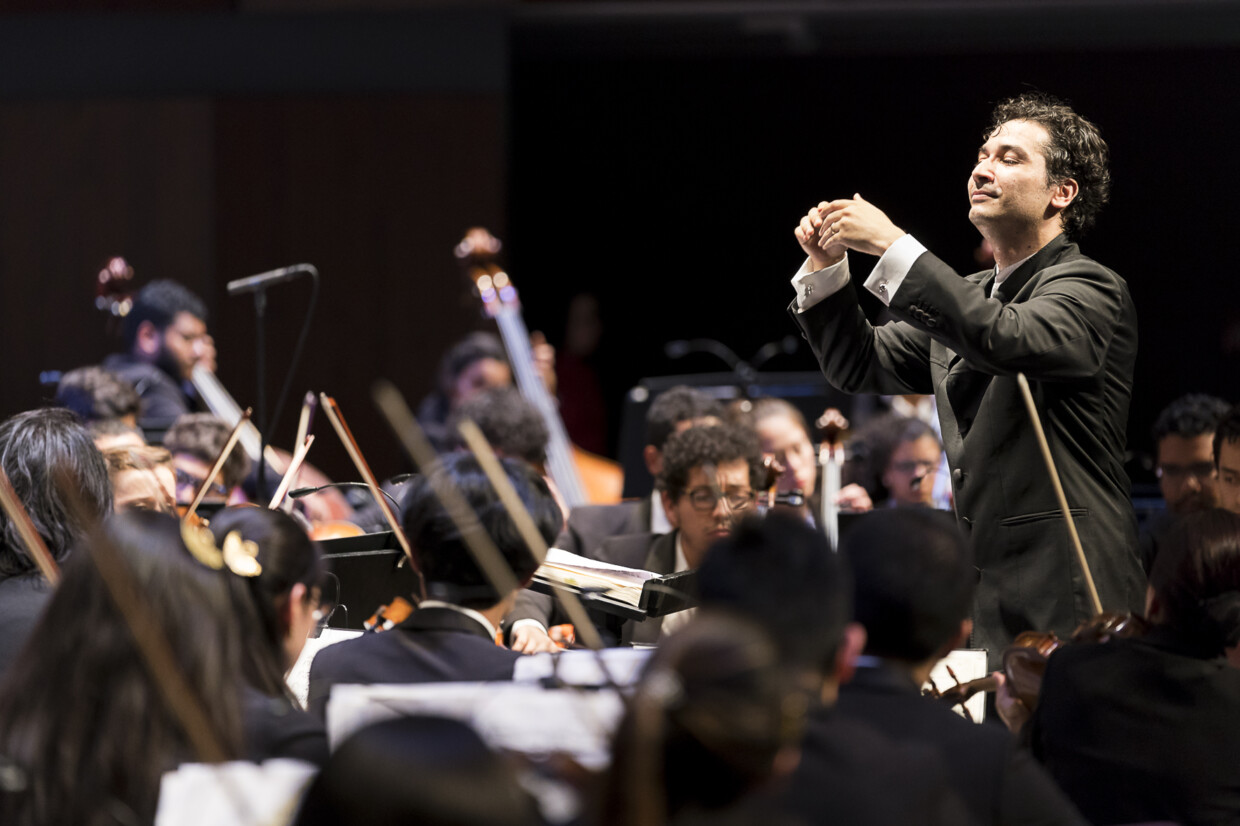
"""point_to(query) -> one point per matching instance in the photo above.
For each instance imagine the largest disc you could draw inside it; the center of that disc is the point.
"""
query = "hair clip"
(240, 555)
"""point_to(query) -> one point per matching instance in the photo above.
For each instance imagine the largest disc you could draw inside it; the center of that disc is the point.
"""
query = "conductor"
(1046, 310)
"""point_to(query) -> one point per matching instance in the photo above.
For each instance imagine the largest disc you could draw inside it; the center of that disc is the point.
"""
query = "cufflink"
(882, 286)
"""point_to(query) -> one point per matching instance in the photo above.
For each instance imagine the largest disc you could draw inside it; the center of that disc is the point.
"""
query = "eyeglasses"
(705, 498)
(1181, 473)
(187, 480)
(913, 465)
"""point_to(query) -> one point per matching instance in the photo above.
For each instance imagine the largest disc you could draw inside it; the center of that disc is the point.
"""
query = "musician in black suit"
(913, 584)
(1148, 728)
(1045, 310)
(451, 635)
(780, 573)
(165, 337)
(588, 526)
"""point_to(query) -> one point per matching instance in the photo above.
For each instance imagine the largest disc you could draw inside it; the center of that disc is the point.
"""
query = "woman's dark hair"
(203, 436)
(423, 771)
(288, 557)
(704, 726)
(442, 554)
(1196, 578)
(873, 445)
(472, 348)
(1075, 149)
(84, 728)
(34, 447)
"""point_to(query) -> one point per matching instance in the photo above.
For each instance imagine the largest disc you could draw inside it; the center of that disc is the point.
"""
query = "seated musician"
(913, 580)
(107, 404)
(451, 636)
(277, 609)
(781, 574)
(784, 436)
(1147, 728)
(87, 728)
(672, 411)
(164, 336)
(33, 445)
(196, 441)
(895, 460)
(142, 478)
(1227, 460)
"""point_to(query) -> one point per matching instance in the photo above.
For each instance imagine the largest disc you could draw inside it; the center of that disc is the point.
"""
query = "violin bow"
(24, 525)
(290, 473)
(332, 410)
(1059, 494)
(488, 558)
(219, 464)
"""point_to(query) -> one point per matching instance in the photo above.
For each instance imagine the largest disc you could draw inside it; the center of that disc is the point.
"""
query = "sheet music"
(559, 557)
(513, 716)
(581, 668)
(299, 678)
(969, 664)
(240, 793)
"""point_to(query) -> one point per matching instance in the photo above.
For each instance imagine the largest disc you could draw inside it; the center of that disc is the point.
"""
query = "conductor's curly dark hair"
(1075, 150)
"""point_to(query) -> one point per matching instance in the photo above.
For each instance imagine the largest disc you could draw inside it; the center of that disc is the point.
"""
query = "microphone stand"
(260, 369)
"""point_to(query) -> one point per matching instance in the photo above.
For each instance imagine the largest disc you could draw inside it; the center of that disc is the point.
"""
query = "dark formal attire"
(433, 645)
(22, 599)
(1069, 324)
(997, 780)
(1142, 730)
(850, 773)
(274, 727)
(164, 398)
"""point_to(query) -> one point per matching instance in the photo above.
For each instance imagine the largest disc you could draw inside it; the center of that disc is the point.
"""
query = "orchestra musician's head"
(281, 606)
(510, 422)
(142, 478)
(1184, 445)
(780, 573)
(35, 447)
(167, 327)
(1040, 165)
(195, 441)
(1194, 586)
(1227, 460)
(442, 554)
(784, 436)
(914, 580)
(710, 720)
(708, 481)
(674, 410)
(895, 458)
(98, 395)
(475, 363)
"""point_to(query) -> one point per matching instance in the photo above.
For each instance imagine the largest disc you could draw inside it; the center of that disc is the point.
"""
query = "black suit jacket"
(163, 398)
(589, 525)
(650, 552)
(996, 779)
(1142, 730)
(1070, 325)
(274, 727)
(433, 645)
(849, 773)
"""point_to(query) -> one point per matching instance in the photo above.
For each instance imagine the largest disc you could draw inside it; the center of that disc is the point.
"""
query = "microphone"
(253, 283)
(300, 492)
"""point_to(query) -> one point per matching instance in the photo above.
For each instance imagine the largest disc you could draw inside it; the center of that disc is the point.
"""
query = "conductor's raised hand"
(857, 225)
(809, 233)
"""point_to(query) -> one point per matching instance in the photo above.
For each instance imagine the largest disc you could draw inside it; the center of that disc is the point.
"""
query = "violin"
(581, 477)
(831, 426)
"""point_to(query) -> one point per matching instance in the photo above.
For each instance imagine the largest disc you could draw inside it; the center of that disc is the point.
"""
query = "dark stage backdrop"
(670, 187)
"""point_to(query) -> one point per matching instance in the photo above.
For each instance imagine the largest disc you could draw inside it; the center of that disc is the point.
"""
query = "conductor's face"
(1008, 186)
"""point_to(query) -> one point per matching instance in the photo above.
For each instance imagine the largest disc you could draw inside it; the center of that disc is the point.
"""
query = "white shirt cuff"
(813, 286)
(522, 623)
(889, 273)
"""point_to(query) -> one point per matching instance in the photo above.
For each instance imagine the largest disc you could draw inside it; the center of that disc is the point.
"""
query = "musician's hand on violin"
(1011, 710)
(856, 224)
(808, 234)
(854, 498)
(530, 639)
(544, 360)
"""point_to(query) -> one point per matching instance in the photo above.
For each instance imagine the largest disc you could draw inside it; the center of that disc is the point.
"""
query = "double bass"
(582, 477)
